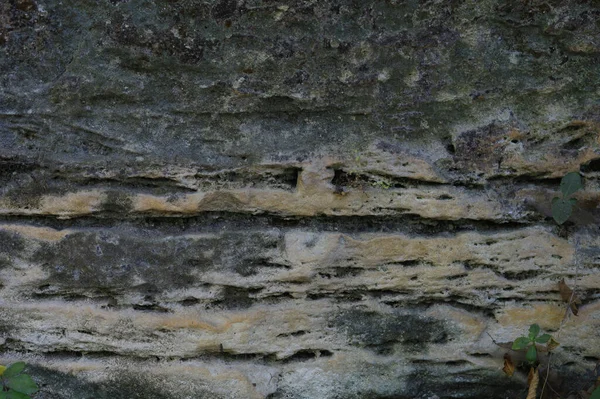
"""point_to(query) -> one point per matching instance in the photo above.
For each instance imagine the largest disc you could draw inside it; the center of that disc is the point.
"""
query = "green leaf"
(10, 394)
(13, 370)
(570, 183)
(520, 343)
(542, 339)
(531, 354)
(596, 394)
(16, 395)
(22, 383)
(561, 209)
(534, 330)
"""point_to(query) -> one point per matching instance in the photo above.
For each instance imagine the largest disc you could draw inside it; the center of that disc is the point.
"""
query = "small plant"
(562, 207)
(529, 342)
(15, 383)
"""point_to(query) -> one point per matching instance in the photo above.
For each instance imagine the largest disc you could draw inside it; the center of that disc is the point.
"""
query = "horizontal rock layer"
(296, 199)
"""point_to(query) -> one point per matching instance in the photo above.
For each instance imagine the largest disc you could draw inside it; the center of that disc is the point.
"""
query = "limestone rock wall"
(295, 199)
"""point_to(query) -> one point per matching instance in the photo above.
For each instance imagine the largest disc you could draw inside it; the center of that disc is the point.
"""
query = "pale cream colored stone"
(398, 163)
(520, 248)
(550, 165)
(436, 203)
(72, 204)
(38, 233)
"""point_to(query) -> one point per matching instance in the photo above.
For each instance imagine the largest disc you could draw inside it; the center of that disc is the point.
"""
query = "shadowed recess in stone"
(133, 259)
(367, 328)
(124, 384)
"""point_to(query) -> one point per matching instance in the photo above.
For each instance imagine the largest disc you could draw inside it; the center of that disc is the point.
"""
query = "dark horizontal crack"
(480, 354)
(220, 221)
(346, 178)
(343, 296)
(67, 355)
(60, 181)
(409, 263)
(450, 363)
(340, 272)
(255, 358)
(130, 185)
(253, 266)
(153, 307)
(519, 275)
(190, 301)
(292, 334)
(258, 357)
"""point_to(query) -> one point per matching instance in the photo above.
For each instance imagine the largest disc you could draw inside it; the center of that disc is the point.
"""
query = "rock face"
(295, 199)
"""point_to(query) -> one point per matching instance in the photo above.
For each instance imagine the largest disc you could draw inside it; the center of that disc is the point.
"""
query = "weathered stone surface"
(295, 199)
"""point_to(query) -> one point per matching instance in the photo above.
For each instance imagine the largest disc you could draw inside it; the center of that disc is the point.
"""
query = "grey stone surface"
(295, 199)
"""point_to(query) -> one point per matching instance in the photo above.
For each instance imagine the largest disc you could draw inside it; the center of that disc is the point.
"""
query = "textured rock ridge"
(295, 199)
